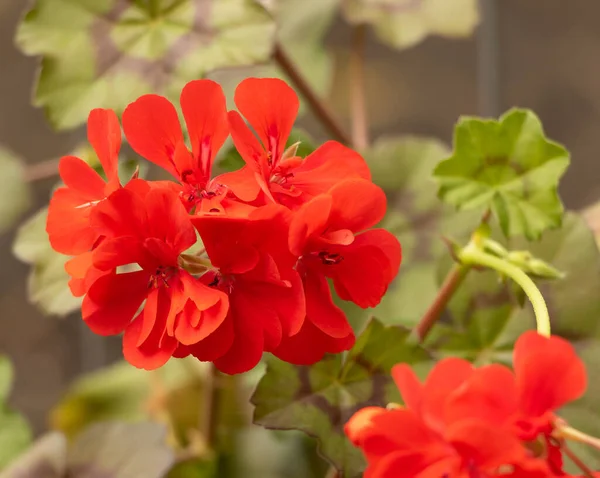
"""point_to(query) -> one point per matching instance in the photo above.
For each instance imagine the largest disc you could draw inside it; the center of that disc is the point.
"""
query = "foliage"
(320, 399)
(107, 53)
(509, 167)
(404, 23)
(111, 450)
(16, 193)
(15, 434)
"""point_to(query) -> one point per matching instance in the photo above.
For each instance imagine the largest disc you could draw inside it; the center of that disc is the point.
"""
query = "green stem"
(471, 255)
(576, 435)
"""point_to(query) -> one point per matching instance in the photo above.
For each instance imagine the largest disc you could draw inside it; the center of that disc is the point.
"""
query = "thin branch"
(212, 394)
(451, 283)
(358, 105)
(42, 170)
(319, 108)
(576, 435)
(577, 461)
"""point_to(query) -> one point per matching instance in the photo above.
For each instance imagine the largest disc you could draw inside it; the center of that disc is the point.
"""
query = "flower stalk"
(472, 255)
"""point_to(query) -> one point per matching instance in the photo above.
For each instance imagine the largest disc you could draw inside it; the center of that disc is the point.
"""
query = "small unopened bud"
(291, 151)
(544, 270)
(495, 248)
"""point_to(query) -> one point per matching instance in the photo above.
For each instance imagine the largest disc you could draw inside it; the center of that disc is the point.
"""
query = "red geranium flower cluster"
(222, 268)
(475, 422)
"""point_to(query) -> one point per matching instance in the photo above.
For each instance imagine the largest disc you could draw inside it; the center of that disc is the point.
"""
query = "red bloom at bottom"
(474, 422)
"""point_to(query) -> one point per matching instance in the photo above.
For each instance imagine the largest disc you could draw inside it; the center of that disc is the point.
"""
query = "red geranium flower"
(516, 406)
(323, 234)
(150, 228)
(152, 128)
(254, 266)
(68, 223)
(271, 107)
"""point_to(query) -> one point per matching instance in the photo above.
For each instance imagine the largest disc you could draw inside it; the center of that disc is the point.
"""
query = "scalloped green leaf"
(15, 196)
(486, 319)
(319, 399)
(106, 53)
(404, 23)
(506, 166)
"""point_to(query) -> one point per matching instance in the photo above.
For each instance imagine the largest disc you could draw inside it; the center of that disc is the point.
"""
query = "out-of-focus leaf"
(301, 28)
(403, 23)
(47, 458)
(509, 167)
(123, 392)
(107, 450)
(15, 434)
(194, 469)
(486, 319)
(106, 53)
(319, 399)
(120, 450)
(48, 282)
(403, 167)
(15, 193)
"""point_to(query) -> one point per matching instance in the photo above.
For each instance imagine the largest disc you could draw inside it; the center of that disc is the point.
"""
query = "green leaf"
(402, 166)
(121, 450)
(319, 399)
(509, 167)
(194, 469)
(48, 282)
(15, 434)
(404, 23)
(106, 53)
(15, 196)
(486, 319)
(301, 29)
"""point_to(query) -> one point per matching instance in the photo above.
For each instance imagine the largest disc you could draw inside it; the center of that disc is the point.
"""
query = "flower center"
(330, 258)
(161, 276)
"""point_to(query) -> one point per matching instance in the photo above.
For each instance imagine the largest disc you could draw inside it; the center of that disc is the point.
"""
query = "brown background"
(541, 54)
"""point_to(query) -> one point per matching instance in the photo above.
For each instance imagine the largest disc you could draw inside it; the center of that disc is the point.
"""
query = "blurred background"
(540, 54)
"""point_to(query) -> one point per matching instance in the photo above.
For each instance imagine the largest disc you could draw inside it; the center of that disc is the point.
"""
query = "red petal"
(310, 345)
(145, 342)
(205, 110)
(361, 422)
(271, 107)
(216, 344)
(120, 251)
(68, 224)
(357, 205)
(107, 309)
(204, 313)
(248, 146)
(123, 213)
(549, 374)
(369, 265)
(81, 178)
(222, 237)
(447, 375)
(104, 134)
(309, 221)
(243, 183)
(485, 447)
(168, 220)
(409, 385)
(327, 166)
(489, 394)
(152, 129)
(83, 273)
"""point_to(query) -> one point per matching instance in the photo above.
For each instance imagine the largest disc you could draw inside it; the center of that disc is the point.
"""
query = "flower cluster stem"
(212, 397)
(318, 107)
(453, 280)
(575, 435)
(472, 255)
(577, 461)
